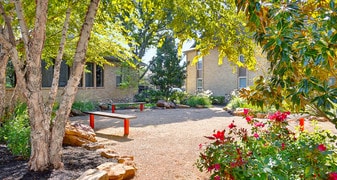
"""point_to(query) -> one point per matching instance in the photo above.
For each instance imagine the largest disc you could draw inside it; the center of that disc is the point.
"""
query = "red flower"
(249, 119)
(256, 135)
(259, 124)
(333, 176)
(283, 146)
(321, 147)
(217, 177)
(220, 135)
(217, 167)
(246, 111)
(200, 146)
(278, 116)
(231, 126)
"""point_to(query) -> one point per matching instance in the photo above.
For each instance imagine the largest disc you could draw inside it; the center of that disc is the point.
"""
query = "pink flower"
(200, 146)
(217, 167)
(333, 176)
(246, 111)
(256, 135)
(216, 177)
(283, 146)
(259, 124)
(321, 147)
(249, 119)
(231, 126)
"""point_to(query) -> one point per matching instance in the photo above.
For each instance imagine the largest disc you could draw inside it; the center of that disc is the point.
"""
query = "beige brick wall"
(108, 92)
(220, 79)
(191, 72)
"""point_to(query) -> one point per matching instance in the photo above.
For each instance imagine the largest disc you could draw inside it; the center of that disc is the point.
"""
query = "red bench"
(112, 115)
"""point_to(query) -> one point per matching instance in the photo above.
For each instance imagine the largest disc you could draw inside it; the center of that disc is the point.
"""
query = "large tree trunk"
(3, 64)
(70, 90)
(39, 121)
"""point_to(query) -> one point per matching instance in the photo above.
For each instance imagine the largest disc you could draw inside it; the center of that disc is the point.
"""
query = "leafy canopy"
(300, 40)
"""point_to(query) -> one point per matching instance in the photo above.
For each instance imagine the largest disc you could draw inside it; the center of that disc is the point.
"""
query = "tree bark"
(70, 90)
(3, 64)
(39, 122)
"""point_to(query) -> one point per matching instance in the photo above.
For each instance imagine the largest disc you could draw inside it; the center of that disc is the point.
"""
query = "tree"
(300, 40)
(26, 39)
(166, 69)
(46, 132)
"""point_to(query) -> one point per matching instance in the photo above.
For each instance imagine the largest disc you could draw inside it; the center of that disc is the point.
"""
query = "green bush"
(218, 100)
(16, 132)
(269, 150)
(84, 105)
(151, 96)
(199, 100)
(178, 97)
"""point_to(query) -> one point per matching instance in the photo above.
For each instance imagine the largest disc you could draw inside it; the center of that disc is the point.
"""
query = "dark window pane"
(89, 77)
(47, 74)
(64, 74)
(99, 76)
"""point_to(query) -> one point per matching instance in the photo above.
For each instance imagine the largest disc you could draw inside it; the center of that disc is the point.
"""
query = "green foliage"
(269, 150)
(237, 102)
(16, 132)
(299, 39)
(218, 100)
(84, 105)
(166, 69)
(200, 99)
(151, 96)
(178, 97)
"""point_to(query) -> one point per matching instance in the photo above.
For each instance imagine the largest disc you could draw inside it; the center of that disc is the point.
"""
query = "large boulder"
(165, 104)
(77, 134)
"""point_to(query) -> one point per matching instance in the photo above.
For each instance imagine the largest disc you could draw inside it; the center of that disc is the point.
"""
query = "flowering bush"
(269, 150)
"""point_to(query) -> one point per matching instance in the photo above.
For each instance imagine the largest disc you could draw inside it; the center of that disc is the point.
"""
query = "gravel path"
(164, 142)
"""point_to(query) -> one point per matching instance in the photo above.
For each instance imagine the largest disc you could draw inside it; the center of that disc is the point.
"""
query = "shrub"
(151, 96)
(16, 132)
(269, 150)
(202, 99)
(218, 100)
(84, 105)
(178, 97)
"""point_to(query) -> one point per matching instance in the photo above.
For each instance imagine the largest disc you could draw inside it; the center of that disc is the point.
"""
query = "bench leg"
(126, 127)
(141, 107)
(92, 121)
(113, 108)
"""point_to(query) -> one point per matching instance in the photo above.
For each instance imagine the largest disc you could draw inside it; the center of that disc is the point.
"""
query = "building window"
(242, 75)
(199, 85)
(199, 74)
(48, 74)
(99, 76)
(89, 75)
(119, 76)
(94, 76)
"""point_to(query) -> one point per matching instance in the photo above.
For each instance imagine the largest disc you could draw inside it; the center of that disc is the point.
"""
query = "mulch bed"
(76, 161)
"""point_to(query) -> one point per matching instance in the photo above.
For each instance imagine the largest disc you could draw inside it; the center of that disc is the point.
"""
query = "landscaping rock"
(94, 174)
(182, 106)
(162, 103)
(118, 171)
(76, 112)
(107, 153)
(77, 134)
(93, 146)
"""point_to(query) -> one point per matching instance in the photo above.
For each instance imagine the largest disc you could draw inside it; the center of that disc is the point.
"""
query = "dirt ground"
(164, 143)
